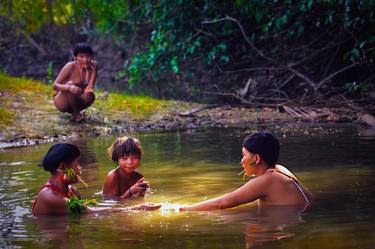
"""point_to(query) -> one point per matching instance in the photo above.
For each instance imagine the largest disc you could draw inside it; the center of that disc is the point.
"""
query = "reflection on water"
(186, 167)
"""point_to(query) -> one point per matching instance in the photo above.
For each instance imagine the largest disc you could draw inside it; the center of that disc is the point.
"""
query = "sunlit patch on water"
(168, 209)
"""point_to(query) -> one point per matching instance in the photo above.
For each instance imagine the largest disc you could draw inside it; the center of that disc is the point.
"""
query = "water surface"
(337, 164)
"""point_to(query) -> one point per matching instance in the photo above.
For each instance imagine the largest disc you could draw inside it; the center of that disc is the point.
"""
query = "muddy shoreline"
(28, 116)
(95, 125)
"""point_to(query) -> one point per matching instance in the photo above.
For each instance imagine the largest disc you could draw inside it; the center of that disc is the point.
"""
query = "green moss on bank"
(23, 86)
(137, 105)
(5, 117)
(30, 91)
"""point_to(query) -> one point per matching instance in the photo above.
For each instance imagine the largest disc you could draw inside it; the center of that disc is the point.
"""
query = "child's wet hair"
(59, 153)
(83, 48)
(124, 146)
(265, 145)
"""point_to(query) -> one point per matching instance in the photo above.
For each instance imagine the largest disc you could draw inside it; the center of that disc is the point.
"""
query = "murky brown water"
(185, 167)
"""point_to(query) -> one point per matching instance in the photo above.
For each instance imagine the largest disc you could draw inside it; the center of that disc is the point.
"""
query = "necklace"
(81, 76)
(56, 186)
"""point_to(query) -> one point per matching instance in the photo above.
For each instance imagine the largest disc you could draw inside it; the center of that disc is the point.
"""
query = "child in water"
(57, 196)
(124, 181)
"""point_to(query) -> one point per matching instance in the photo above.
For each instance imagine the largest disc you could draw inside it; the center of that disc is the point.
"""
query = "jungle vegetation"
(240, 52)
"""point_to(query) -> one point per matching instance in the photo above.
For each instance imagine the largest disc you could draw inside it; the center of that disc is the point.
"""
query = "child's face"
(129, 163)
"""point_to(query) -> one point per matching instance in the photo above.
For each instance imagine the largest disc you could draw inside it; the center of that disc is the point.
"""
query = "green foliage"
(69, 172)
(5, 117)
(31, 16)
(355, 87)
(14, 85)
(77, 206)
(179, 38)
(185, 37)
(50, 72)
(137, 105)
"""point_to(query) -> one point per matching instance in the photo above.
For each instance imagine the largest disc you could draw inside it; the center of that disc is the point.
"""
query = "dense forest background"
(239, 52)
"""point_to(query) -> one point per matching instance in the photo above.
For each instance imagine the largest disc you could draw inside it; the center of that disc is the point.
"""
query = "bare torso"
(283, 189)
(117, 182)
(273, 187)
(52, 201)
(75, 74)
(74, 88)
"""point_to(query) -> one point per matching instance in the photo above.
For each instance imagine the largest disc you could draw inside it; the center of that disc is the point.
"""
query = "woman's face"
(248, 162)
(129, 163)
(83, 59)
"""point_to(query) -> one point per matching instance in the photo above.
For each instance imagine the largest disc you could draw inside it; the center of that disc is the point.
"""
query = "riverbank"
(28, 115)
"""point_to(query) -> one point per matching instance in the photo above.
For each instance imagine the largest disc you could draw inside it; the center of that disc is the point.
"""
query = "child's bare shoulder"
(137, 175)
(112, 173)
(49, 196)
(69, 65)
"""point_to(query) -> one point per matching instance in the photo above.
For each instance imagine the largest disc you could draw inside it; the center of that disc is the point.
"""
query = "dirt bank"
(28, 115)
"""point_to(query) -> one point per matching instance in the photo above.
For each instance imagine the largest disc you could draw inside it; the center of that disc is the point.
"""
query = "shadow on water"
(186, 167)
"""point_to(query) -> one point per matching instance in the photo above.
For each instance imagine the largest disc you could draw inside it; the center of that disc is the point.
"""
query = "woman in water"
(273, 185)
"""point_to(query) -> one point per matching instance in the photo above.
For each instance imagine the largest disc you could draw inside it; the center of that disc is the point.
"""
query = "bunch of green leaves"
(77, 206)
(69, 172)
(357, 87)
(31, 16)
(50, 72)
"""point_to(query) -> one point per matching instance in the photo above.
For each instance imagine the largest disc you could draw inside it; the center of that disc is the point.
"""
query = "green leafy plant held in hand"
(77, 206)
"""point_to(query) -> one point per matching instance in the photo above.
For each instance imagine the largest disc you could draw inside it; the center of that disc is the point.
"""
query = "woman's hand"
(88, 90)
(139, 187)
(75, 89)
(72, 88)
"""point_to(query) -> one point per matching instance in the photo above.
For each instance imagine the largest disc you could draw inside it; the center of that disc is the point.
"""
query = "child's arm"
(110, 186)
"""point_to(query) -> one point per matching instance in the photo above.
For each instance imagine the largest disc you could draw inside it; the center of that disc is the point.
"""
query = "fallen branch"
(307, 113)
(195, 110)
(250, 103)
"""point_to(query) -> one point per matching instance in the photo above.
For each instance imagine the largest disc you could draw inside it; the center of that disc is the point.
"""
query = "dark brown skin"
(269, 187)
(119, 181)
(50, 202)
(74, 86)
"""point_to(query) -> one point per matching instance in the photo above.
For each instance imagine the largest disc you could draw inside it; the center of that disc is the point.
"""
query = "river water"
(336, 164)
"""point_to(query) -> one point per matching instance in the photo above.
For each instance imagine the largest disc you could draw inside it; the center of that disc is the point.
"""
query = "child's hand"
(139, 187)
